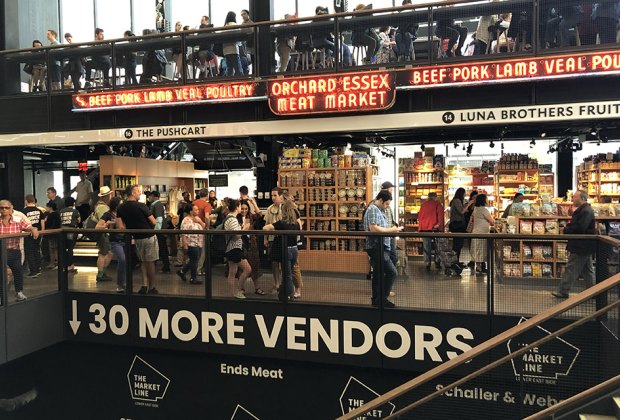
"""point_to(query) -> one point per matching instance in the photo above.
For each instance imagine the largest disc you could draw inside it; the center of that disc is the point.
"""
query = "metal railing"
(423, 34)
(486, 369)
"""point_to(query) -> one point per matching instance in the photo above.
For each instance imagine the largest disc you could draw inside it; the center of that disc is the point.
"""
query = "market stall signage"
(165, 96)
(524, 69)
(370, 91)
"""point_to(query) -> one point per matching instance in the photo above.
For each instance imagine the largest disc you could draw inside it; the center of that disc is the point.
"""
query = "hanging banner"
(371, 91)
(509, 71)
(167, 96)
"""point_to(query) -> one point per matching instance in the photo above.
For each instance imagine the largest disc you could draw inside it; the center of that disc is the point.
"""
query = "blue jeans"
(389, 273)
(233, 65)
(193, 253)
(288, 271)
(118, 249)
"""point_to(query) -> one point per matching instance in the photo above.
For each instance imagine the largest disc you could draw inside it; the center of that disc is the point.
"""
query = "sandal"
(297, 295)
(259, 291)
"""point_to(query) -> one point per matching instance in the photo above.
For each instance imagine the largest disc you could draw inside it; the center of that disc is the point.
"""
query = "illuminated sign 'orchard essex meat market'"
(332, 93)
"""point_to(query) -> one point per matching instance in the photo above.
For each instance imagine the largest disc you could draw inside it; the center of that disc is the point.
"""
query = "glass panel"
(143, 15)
(282, 7)
(219, 9)
(114, 17)
(187, 13)
(77, 17)
(307, 8)
(382, 4)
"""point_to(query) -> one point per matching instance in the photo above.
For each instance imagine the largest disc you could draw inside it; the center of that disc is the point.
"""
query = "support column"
(267, 176)
(12, 176)
(260, 11)
(565, 172)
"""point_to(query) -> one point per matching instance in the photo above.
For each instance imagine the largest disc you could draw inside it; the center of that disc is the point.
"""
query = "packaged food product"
(525, 226)
(614, 229)
(527, 270)
(547, 251)
(507, 251)
(547, 270)
(537, 252)
(527, 251)
(535, 210)
(551, 226)
(527, 209)
(539, 228)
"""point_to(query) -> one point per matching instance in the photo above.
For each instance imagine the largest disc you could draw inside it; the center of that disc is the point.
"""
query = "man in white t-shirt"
(84, 190)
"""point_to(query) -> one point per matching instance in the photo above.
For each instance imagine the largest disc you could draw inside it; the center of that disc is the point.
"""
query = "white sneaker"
(19, 296)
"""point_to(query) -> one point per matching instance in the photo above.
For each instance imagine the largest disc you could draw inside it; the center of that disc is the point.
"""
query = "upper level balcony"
(396, 38)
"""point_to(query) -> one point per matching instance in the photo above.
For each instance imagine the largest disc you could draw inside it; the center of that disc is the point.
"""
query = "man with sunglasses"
(11, 224)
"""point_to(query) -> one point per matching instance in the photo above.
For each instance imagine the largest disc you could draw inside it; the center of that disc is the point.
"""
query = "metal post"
(380, 275)
(61, 249)
(283, 294)
(183, 59)
(490, 277)
(4, 287)
(208, 272)
(49, 90)
(113, 58)
(431, 59)
(337, 45)
(255, 67)
(128, 265)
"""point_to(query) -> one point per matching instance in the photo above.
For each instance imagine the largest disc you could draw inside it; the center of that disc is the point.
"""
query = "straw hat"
(105, 190)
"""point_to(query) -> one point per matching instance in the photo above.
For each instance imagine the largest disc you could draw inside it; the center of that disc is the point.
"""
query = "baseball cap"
(386, 185)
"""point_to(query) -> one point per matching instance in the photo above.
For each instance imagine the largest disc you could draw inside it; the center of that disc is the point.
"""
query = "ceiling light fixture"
(491, 145)
(532, 143)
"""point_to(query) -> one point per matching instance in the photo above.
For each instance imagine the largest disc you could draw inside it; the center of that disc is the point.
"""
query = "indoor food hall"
(278, 209)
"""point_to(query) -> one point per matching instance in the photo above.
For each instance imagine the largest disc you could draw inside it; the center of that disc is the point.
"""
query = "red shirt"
(15, 225)
(204, 207)
(431, 214)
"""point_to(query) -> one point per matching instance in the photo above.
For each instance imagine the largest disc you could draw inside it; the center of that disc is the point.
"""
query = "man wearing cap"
(103, 242)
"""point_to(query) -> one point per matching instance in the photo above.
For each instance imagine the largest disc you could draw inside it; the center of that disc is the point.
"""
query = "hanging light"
(532, 143)
(491, 145)
(456, 144)
(422, 146)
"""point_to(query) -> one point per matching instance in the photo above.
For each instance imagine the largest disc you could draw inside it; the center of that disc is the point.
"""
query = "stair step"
(595, 417)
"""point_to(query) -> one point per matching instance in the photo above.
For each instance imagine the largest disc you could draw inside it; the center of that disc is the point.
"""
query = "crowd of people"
(559, 26)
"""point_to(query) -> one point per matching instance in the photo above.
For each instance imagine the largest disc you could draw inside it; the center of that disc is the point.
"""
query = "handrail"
(575, 400)
(357, 233)
(493, 342)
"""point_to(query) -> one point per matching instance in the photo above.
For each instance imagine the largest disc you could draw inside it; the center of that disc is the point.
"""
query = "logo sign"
(356, 394)
(525, 69)
(544, 364)
(146, 383)
(242, 413)
(166, 96)
(369, 91)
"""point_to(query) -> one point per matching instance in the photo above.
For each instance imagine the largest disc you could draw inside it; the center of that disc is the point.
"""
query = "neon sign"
(161, 96)
(82, 166)
(334, 93)
(513, 70)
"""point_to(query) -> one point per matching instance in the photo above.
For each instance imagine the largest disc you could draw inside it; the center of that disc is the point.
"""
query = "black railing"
(423, 35)
(335, 268)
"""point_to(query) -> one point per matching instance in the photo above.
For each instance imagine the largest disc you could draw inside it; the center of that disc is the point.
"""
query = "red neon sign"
(82, 167)
(213, 92)
(515, 70)
(334, 93)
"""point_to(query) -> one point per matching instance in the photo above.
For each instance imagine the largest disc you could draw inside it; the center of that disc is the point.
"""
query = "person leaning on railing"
(11, 224)
(580, 250)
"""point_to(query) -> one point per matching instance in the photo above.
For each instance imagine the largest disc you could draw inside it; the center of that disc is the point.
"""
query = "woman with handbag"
(457, 220)
(250, 243)
(482, 222)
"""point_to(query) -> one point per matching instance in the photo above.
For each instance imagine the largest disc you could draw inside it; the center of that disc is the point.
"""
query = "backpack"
(90, 223)
(220, 241)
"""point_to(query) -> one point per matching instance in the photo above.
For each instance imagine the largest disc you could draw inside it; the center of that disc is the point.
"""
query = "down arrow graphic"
(73, 322)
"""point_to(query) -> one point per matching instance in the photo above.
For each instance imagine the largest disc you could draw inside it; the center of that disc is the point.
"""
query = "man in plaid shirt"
(11, 224)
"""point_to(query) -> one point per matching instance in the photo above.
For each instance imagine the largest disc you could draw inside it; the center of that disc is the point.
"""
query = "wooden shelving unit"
(416, 186)
(531, 182)
(331, 200)
(118, 172)
(600, 180)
